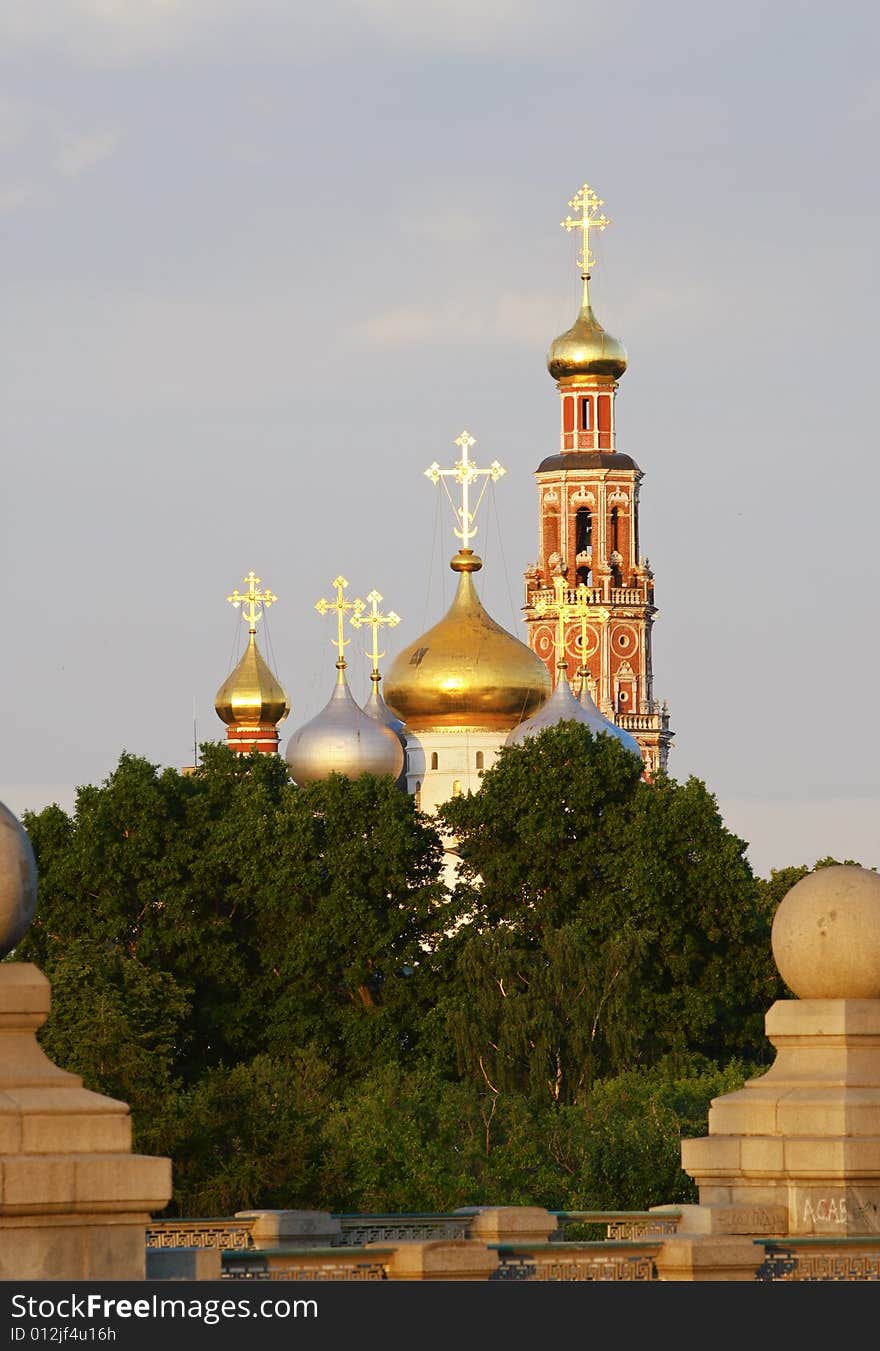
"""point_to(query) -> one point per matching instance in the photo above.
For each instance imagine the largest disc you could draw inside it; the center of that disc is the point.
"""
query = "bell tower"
(588, 527)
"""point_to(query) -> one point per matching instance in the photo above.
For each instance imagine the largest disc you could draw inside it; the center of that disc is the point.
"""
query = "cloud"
(105, 32)
(460, 25)
(78, 154)
(512, 318)
(21, 197)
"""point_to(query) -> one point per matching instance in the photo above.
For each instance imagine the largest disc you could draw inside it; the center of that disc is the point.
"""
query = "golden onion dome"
(251, 694)
(467, 671)
(585, 349)
(562, 706)
(343, 739)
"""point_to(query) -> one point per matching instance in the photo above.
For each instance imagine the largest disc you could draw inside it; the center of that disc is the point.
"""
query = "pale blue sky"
(261, 265)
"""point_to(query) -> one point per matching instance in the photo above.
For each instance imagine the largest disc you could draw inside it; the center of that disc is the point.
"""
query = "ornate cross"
(375, 620)
(587, 203)
(567, 610)
(465, 472)
(340, 605)
(253, 602)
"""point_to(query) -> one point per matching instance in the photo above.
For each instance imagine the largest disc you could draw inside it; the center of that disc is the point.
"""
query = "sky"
(263, 263)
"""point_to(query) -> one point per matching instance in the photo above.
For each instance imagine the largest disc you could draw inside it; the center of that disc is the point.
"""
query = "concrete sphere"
(826, 935)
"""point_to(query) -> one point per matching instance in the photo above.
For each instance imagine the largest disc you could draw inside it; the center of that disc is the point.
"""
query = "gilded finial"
(375, 619)
(253, 602)
(341, 606)
(465, 472)
(587, 202)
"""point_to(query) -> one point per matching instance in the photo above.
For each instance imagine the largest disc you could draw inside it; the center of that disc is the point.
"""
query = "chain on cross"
(465, 472)
(341, 606)
(587, 202)
(253, 602)
(375, 619)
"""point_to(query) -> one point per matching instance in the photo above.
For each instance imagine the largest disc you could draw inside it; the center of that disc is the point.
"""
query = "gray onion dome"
(563, 707)
(18, 881)
(343, 739)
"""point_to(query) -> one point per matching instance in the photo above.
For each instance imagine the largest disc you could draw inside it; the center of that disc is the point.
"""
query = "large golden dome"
(586, 350)
(251, 694)
(467, 671)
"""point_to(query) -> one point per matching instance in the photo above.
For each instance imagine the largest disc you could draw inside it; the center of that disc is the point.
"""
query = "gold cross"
(340, 605)
(253, 602)
(465, 472)
(567, 610)
(587, 203)
(375, 620)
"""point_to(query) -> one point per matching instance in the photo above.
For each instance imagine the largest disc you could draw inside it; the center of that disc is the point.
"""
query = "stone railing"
(221, 1235)
(357, 1230)
(507, 1243)
(307, 1264)
(618, 1224)
(820, 1258)
(617, 595)
(641, 722)
(604, 1260)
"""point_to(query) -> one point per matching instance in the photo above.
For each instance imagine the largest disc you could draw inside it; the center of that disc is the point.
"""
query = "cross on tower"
(375, 620)
(465, 472)
(340, 605)
(587, 203)
(252, 602)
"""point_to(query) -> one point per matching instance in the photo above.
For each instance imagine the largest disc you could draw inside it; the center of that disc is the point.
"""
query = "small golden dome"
(586, 350)
(343, 739)
(251, 694)
(467, 671)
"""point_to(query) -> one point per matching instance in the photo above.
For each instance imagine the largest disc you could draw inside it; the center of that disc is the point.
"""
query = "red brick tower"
(588, 504)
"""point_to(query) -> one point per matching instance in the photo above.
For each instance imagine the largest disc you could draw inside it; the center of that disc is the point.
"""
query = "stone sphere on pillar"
(18, 881)
(826, 934)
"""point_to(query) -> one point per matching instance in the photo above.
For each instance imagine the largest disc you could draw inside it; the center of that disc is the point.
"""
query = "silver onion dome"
(18, 881)
(376, 707)
(563, 707)
(343, 739)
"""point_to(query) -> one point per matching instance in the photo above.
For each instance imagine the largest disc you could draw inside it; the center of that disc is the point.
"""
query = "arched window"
(417, 795)
(583, 530)
(583, 541)
(456, 788)
(435, 760)
(479, 759)
(615, 529)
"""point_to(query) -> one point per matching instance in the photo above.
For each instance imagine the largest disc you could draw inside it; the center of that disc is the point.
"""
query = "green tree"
(197, 928)
(611, 921)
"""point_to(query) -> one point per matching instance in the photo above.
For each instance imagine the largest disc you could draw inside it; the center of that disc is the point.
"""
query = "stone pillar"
(512, 1224)
(457, 1259)
(74, 1200)
(797, 1150)
(292, 1228)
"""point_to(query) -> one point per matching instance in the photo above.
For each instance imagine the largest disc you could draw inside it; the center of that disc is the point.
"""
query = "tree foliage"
(610, 922)
(276, 981)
